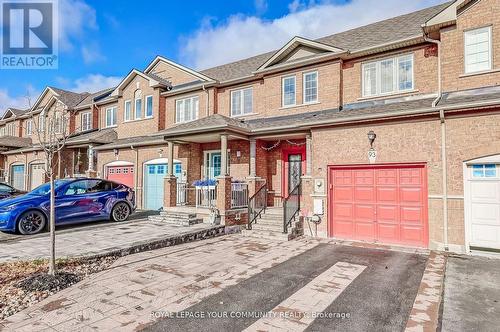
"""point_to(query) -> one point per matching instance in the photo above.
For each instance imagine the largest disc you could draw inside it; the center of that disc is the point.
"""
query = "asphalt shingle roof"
(103, 136)
(89, 99)
(470, 96)
(212, 122)
(68, 98)
(14, 142)
(386, 31)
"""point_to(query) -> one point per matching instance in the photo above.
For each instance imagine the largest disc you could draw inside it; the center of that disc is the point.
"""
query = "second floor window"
(138, 104)
(111, 117)
(241, 102)
(288, 90)
(10, 129)
(477, 52)
(310, 87)
(387, 76)
(86, 121)
(2, 131)
(128, 110)
(186, 109)
(149, 106)
(41, 122)
(29, 127)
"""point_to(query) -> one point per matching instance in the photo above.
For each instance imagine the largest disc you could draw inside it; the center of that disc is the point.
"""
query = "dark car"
(76, 200)
(7, 191)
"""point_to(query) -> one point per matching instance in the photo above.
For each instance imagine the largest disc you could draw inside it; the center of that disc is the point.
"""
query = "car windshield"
(5, 188)
(45, 188)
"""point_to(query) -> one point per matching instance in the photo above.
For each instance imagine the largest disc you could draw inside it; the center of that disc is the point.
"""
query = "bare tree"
(52, 130)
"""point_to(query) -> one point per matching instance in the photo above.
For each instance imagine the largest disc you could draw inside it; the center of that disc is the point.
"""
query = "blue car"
(76, 200)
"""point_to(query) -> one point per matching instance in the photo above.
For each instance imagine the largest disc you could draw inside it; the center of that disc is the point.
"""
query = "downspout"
(443, 142)
(438, 44)
(208, 99)
(445, 178)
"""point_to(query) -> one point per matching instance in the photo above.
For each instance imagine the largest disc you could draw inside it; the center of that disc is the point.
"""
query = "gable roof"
(294, 44)
(14, 112)
(159, 58)
(93, 97)
(384, 32)
(209, 123)
(68, 98)
(154, 80)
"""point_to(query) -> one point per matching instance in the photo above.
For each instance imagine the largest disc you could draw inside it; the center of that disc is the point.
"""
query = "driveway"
(97, 238)
(235, 283)
(472, 294)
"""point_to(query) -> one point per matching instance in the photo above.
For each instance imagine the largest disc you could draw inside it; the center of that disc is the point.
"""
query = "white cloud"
(92, 53)
(76, 18)
(21, 101)
(242, 36)
(260, 6)
(93, 83)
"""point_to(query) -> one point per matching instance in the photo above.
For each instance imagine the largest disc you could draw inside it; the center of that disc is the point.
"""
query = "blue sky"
(100, 41)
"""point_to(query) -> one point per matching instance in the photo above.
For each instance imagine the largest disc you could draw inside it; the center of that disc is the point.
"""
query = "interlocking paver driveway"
(92, 240)
(236, 274)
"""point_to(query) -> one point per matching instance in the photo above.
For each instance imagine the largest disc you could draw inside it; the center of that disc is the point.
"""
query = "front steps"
(270, 226)
(176, 218)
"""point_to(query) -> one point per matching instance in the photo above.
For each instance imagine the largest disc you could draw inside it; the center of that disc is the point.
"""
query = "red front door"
(121, 174)
(379, 203)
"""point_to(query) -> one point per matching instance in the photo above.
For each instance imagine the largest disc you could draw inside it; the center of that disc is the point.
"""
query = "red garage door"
(122, 174)
(379, 203)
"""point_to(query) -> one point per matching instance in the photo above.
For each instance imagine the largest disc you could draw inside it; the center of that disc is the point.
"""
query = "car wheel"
(31, 222)
(120, 212)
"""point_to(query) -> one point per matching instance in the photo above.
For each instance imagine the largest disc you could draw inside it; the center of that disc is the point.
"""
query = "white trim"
(160, 161)
(134, 72)
(113, 117)
(81, 121)
(118, 163)
(135, 105)
(304, 74)
(176, 65)
(125, 110)
(183, 99)
(294, 43)
(283, 78)
(146, 116)
(490, 50)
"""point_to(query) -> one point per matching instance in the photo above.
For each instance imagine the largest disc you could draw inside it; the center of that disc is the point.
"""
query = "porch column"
(223, 150)
(170, 156)
(308, 155)
(170, 187)
(253, 153)
(90, 172)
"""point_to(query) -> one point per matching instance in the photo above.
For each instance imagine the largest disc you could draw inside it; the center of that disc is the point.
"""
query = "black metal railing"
(291, 207)
(257, 204)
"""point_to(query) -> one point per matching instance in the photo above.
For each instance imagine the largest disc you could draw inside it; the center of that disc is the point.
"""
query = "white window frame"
(242, 101)
(490, 49)
(283, 90)
(183, 100)
(29, 127)
(129, 117)
(41, 121)
(146, 116)
(84, 121)
(378, 80)
(113, 117)
(136, 99)
(304, 87)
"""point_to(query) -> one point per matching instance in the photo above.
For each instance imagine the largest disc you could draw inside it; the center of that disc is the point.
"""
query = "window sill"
(403, 93)
(299, 105)
(138, 120)
(484, 72)
(114, 126)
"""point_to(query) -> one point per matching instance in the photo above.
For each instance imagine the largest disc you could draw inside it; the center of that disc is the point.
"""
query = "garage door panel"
(388, 213)
(411, 195)
(387, 194)
(365, 231)
(485, 234)
(363, 212)
(343, 178)
(343, 194)
(486, 213)
(366, 194)
(121, 174)
(388, 204)
(388, 232)
(485, 191)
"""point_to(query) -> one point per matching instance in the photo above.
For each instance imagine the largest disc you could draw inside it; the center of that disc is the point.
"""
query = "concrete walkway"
(94, 239)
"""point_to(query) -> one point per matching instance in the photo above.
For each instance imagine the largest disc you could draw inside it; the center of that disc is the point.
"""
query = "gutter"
(128, 145)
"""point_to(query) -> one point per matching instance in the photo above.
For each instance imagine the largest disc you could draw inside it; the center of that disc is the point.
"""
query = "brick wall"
(482, 13)
(175, 75)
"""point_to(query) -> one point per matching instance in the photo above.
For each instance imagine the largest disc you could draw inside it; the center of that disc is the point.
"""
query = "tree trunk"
(52, 226)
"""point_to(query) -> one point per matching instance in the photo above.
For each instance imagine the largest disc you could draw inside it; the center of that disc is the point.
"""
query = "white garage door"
(484, 206)
(37, 175)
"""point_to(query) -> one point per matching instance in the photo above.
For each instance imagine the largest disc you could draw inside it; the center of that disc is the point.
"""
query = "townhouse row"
(391, 131)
